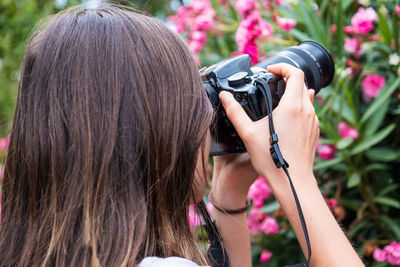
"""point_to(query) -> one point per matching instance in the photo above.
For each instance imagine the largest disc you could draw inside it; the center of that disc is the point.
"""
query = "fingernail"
(223, 95)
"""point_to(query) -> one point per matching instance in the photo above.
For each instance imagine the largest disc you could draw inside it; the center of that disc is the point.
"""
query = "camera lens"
(312, 58)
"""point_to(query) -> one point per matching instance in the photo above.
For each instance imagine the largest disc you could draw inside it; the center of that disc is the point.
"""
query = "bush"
(358, 156)
(357, 163)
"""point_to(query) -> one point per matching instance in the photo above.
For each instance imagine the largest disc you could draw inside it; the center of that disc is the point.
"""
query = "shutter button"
(237, 79)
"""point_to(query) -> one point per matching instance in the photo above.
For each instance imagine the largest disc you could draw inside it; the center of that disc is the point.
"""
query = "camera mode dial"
(237, 79)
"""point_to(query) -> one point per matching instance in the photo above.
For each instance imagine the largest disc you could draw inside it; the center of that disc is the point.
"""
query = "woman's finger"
(295, 80)
(235, 113)
(311, 94)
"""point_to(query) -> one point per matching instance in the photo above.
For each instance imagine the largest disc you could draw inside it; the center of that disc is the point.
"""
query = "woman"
(108, 147)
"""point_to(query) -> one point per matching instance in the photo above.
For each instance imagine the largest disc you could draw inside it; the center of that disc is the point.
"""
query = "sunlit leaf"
(383, 95)
(353, 180)
(373, 140)
(344, 143)
(392, 225)
(384, 29)
(383, 154)
(327, 163)
(388, 202)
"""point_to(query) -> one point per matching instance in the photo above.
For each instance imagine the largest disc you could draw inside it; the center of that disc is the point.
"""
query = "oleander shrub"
(358, 155)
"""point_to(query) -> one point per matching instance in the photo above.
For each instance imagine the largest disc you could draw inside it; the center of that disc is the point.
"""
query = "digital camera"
(236, 76)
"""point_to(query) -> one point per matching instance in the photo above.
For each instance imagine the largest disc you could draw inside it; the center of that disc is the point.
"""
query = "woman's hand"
(295, 124)
(232, 176)
(297, 128)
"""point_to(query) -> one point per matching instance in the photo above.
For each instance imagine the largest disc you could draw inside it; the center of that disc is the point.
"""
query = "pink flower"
(265, 256)
(352, 46)
(390, 254)
(326, 151)
(362, 21)
(332, 203)
(266, 28)
(347, 131)
(198, 36)
(269, 4)
(252, 50)
(269, 226)
(371, 85)
(193, 217)
(246, 34)
(200, 6)
(4, 143)
(195, 18)
(245, 6)
(348, 29)
(251, 28)
(254, 220)
(197, 40)
(259, 191)
(397, 10)
(393, 253)
(379, 254)
(333, 28)
(195, 46)
(286, 24)
(203, 22)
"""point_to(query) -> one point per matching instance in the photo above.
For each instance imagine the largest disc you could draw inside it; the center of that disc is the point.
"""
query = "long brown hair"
(110, 117)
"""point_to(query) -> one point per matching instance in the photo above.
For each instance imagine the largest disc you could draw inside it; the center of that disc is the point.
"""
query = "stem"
(366, 193)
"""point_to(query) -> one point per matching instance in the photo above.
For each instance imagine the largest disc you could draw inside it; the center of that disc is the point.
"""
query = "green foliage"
(17, 20)
(363, 175)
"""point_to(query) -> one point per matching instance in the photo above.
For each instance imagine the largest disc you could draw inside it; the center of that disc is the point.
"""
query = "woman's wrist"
(239, 206)
(279, 181)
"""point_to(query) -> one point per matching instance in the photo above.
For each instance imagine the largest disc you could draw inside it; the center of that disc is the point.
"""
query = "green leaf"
(347, 3)
(353, 204)
(395, 26)
(270, 207)
(384, 29)
(344, 143)
(377, 118)
(358, 227)
(388, 189)
(327, 163)
(379, 264)
(378, 102)
(233, 12)
(300, 36)
(373, 140)
(354, 180)
(375, 166)
(383, 154)
(339, 28)
(392, 225)
(388, 202)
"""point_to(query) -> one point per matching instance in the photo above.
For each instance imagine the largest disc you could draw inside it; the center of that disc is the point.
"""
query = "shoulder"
(167, 262)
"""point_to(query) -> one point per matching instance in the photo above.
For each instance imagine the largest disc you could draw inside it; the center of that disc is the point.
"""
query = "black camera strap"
(279, 161)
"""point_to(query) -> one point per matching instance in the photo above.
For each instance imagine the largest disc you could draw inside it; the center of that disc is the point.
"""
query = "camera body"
(237, 77)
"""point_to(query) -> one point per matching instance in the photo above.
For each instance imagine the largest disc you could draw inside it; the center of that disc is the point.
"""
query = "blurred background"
(358, 156)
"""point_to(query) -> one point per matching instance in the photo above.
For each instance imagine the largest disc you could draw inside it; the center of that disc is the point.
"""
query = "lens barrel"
(312, 58)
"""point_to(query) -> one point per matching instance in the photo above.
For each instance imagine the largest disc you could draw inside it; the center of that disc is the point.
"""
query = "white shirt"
(167, 262)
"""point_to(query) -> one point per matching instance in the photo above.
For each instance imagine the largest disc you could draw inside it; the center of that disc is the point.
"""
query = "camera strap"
(279, 161)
